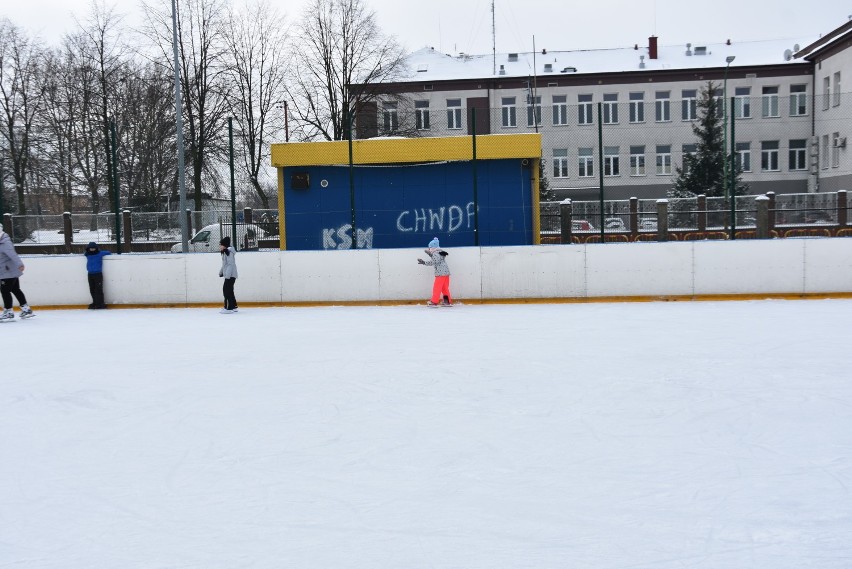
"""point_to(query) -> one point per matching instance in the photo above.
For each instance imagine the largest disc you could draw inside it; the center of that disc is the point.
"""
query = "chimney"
(652, 47)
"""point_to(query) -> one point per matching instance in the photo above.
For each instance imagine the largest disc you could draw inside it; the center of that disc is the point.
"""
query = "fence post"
(247, 216)
(634, 217)
(189, 223)
(771, 197)
(762, 203)
(565, 214)
(662, 220)
(702, 212)
(68, 229)
(8, 226)
(842, 212)
(128, 229)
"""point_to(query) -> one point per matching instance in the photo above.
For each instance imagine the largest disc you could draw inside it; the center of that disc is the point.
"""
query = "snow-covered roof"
(836, 36)
(428, 64)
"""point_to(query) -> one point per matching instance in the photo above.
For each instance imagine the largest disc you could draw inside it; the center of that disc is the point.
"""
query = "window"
(798, 153)
(826, 93)
(637, 160)
(586, 162)
(533, 111)
(836, 101)
(390, 117)
(769, 156)
(637, 107)
(454, 114)
(824, 151)
(742, 102)
(835, 150)
(421, 115)
(798, 100)
(560, 110)
(509, 112)
(719, 101)
(770, 102)
(611, 161)
(610, 108)
(664, 160)
(584, 109)
(689, 104)
(662, 106)
(560, 163)
(743, 157)
(688, 150)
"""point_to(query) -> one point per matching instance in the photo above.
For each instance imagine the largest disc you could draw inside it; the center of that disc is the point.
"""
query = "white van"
(208, 237)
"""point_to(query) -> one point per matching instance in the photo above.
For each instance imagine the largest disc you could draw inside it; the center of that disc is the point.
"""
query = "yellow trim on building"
(536, 205)
(282, 223)
(406, 150)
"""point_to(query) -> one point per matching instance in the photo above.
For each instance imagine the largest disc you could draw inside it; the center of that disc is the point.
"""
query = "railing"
(139, 231)
(790, 215)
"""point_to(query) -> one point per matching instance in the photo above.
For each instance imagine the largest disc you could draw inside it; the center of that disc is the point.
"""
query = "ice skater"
(441, 287)
(229, 271)
(95, 268)
(11, 268)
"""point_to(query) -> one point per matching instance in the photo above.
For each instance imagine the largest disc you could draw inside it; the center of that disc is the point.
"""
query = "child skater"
(229, 271)
(95, 268)
(441, 287)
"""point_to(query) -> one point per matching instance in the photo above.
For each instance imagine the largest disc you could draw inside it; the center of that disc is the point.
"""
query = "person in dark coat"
(95, 268)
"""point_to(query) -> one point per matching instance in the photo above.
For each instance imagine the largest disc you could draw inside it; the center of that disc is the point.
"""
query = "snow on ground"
(595, 436)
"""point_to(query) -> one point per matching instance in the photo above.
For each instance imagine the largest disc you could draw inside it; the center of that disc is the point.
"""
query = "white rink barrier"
(642, 270)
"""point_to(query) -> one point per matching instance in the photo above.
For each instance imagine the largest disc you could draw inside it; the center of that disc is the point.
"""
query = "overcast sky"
(465, 25)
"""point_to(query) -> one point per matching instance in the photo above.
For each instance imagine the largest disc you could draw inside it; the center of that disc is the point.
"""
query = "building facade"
(629, 113)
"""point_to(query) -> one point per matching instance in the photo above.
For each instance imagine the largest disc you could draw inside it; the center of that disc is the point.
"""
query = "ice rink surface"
(711, 435)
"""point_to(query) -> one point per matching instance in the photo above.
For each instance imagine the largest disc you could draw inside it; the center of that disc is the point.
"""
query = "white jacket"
(229, 264)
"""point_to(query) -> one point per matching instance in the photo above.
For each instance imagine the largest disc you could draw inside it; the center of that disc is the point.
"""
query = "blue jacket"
(95, 259)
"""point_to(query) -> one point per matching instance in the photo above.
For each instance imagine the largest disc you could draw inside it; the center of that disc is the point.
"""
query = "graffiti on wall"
(341, 238)
(428, 220)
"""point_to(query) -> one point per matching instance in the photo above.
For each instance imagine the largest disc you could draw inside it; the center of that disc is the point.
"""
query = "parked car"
(614, 224)
(208, 237)
(581, 225)
(647, 224)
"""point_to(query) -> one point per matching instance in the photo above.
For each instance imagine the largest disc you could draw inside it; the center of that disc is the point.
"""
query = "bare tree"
(21, 98)
(342, 54)
(148, 161)
(104, 53)
(201, 53)
(256, 40)
(61, 122)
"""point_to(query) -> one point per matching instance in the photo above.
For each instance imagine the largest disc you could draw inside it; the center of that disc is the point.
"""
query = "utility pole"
(184, 230)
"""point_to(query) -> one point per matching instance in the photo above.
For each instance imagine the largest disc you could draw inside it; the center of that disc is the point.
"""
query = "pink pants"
(441, 288)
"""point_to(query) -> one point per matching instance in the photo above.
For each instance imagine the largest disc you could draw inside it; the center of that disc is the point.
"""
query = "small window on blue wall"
(300, 181)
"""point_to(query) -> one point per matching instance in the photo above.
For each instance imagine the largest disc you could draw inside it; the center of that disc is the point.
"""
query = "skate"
(226, 311)
(26, 312)
(431, 304)
(7, 316)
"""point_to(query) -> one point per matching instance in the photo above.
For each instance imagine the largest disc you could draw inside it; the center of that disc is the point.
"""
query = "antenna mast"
(493, 42)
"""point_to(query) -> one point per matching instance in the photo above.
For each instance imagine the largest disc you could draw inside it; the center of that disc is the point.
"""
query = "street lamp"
(728, 61)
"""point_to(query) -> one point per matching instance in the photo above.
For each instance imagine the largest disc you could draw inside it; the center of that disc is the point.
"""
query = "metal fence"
(144, 227)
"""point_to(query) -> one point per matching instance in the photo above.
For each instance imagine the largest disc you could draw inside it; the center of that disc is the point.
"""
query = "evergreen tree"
(704, 171)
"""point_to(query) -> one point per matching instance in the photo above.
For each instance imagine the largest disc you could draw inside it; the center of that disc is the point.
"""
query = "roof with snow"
(830, 39)
(428, 64)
